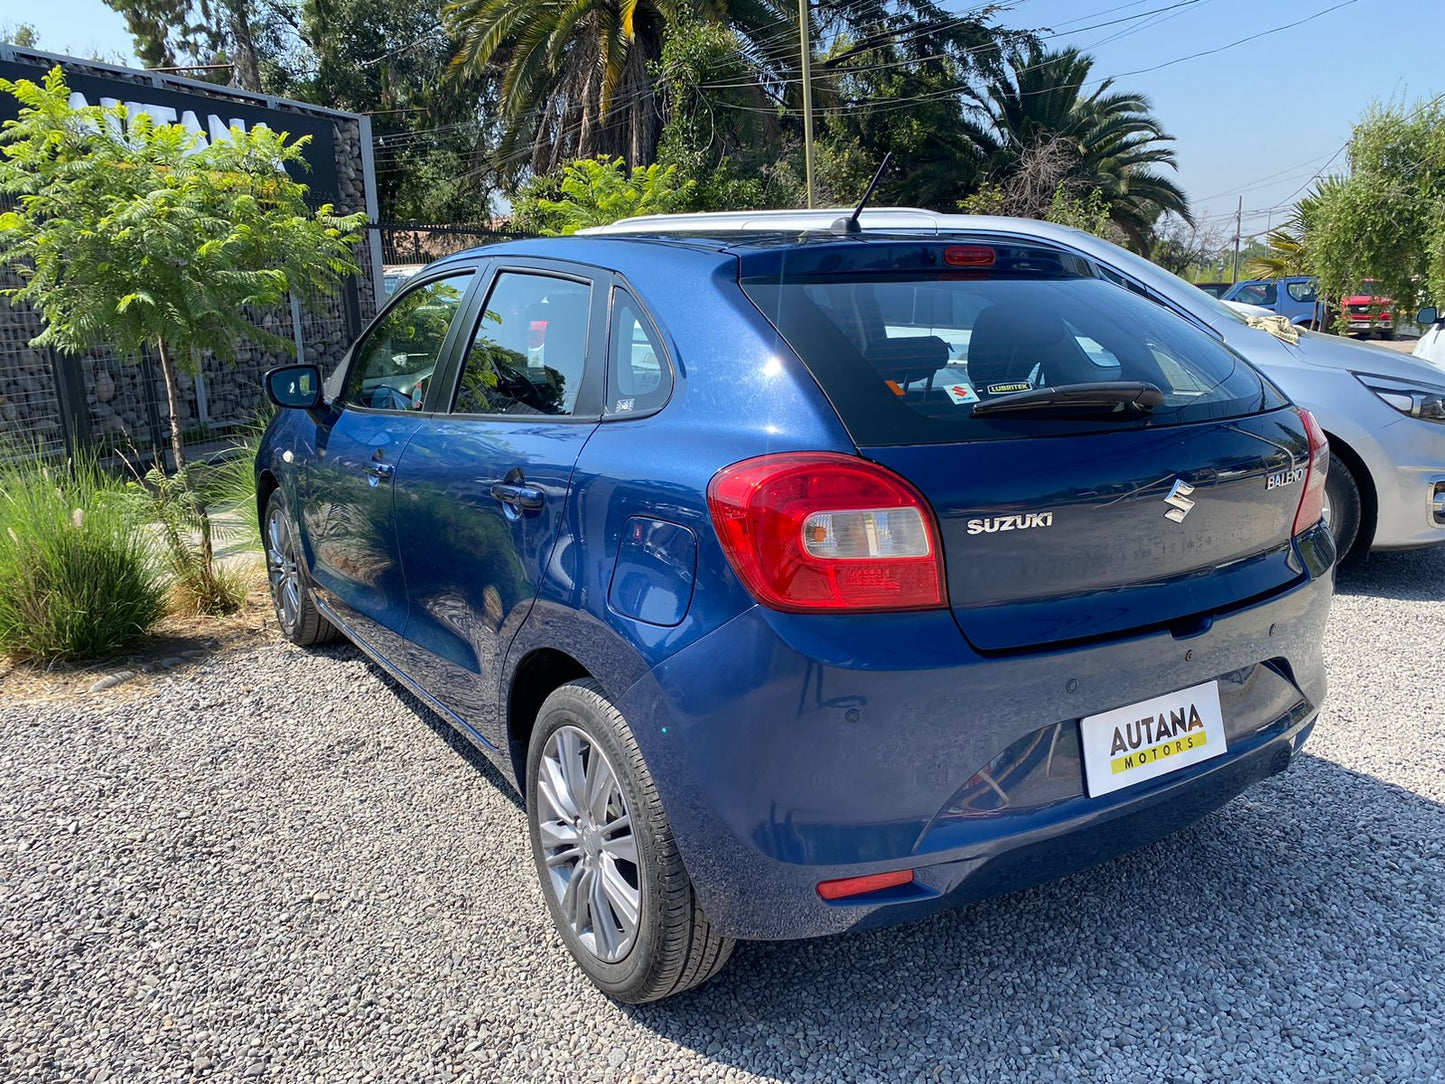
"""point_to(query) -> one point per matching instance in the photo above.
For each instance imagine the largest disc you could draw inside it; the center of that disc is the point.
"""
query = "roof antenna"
(850, 224)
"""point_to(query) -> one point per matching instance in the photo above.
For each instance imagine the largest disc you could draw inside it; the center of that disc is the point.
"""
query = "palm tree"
(575, 78)
(1289, 252)
(1104, 140)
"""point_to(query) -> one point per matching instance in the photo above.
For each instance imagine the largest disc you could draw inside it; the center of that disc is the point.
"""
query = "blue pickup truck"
(1295, 297)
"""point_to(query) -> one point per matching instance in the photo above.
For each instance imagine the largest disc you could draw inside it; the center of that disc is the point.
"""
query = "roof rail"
(880, 218)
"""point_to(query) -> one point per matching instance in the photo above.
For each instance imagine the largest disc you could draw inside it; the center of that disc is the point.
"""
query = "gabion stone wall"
(118, 404)
(29, 403)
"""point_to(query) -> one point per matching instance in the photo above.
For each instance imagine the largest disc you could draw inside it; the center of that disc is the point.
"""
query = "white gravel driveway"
(276, 866)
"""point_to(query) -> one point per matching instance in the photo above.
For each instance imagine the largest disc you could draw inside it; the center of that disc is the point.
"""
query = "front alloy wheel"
(301, 622)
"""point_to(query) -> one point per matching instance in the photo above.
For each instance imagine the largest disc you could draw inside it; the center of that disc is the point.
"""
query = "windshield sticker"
(1012, 386)
(961, 392)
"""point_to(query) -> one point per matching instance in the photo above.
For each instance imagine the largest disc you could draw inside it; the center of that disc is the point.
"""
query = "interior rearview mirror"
(294, 386)
(1427, 316)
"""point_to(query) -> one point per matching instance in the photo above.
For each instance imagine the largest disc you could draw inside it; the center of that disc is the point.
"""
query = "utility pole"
(807, 97)
(1238, 222)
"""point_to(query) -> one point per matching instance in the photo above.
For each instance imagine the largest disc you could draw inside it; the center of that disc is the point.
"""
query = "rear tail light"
(858, 886)
(1312, 500)
(819, 531)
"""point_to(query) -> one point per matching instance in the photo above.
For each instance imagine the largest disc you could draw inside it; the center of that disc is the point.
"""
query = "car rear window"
(905, 352)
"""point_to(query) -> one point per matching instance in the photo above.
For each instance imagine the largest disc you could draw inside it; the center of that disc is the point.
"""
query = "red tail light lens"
(1312, 500)
(818, 531)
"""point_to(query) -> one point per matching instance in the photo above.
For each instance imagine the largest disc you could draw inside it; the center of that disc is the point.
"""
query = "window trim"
(649, 325)
(589, 398)
(444, 355)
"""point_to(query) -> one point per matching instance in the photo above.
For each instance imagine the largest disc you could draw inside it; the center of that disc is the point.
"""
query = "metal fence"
(410, 243)
(103, 403)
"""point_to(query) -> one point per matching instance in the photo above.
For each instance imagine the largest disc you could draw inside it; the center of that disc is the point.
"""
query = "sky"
(1255, 120)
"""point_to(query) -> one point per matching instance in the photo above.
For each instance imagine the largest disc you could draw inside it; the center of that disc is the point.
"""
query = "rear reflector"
(820, 531)
(1312, 499)
(858, 886)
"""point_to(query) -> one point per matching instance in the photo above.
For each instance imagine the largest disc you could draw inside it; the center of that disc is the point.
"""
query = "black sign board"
(177, 102)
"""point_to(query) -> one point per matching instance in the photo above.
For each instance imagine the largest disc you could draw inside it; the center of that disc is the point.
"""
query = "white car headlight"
(1416, 400)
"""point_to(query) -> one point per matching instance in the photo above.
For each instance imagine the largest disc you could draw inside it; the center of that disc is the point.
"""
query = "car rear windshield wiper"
(1124, 397)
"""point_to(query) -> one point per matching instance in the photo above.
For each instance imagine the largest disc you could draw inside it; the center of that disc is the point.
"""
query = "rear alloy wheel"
(301, 622)
(1342, 506)
(613, 880)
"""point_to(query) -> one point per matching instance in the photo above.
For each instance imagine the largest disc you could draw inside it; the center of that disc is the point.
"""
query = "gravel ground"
(277, 866)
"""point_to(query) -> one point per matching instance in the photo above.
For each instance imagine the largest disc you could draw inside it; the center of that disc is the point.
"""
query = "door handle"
(379, 470)
(527, 498)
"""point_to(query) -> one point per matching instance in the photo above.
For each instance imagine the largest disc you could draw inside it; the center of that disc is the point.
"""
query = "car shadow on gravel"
(436, 724)
(1417, 575)
(1298, 922)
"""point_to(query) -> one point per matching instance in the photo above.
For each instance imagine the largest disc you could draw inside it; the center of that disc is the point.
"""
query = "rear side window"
(529, 348)
(638, 378)
(904, 356)
(1304, 290)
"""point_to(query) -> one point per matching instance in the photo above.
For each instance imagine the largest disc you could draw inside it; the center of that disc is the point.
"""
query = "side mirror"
(295, 386)
(1427, 316)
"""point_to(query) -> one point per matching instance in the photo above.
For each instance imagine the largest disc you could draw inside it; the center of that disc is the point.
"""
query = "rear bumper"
(789, 750)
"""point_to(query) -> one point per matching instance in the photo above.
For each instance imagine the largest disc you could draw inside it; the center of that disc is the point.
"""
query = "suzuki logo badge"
(1178, 500)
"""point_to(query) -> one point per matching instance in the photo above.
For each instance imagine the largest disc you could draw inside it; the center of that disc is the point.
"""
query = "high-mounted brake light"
(1312, 499)
(859, 886)
(820, 531)
(969, 256)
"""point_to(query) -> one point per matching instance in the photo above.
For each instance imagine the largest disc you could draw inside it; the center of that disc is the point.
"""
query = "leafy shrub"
(178, 510)
(78, 578)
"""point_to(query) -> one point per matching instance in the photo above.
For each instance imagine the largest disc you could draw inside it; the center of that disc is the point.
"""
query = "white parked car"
(1431, 346)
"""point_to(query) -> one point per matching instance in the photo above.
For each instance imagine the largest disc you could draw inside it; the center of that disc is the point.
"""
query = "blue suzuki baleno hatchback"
(806, 583)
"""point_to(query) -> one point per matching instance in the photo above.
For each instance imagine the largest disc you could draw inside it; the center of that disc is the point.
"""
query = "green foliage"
(1089, 213)
(134, 233)
(77, 576)
(1044, 130)
(574, 74)
(1386, 220)
(725, 141)
(199, 584)
(596, 191)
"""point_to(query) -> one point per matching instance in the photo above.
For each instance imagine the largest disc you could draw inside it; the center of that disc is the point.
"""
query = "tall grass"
(194, 513)
(78, 577)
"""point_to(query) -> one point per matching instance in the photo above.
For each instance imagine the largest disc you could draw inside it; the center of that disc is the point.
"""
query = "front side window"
(529, 348)
(395, 362)
(638, 378)
(1257, 293)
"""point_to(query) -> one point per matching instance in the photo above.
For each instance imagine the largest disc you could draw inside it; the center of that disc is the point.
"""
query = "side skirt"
(432, 702)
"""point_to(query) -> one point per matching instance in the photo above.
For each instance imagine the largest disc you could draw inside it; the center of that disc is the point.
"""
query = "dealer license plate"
(1146, 740)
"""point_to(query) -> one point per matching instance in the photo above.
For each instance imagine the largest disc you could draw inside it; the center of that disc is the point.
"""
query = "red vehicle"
(1368, 314)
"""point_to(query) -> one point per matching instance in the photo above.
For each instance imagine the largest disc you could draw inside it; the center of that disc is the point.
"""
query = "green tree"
(431, 135)
(138, 235)
(217, 37)
(1103, 140)
(1385, 220)
(728, 141)
(596, 191)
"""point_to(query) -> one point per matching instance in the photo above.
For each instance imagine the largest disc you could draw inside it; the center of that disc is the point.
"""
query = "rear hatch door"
(1056, 524)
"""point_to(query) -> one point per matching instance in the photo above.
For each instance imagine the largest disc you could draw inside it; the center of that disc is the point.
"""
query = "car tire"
(595, 878)
(296, 613)
(1342, 506)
